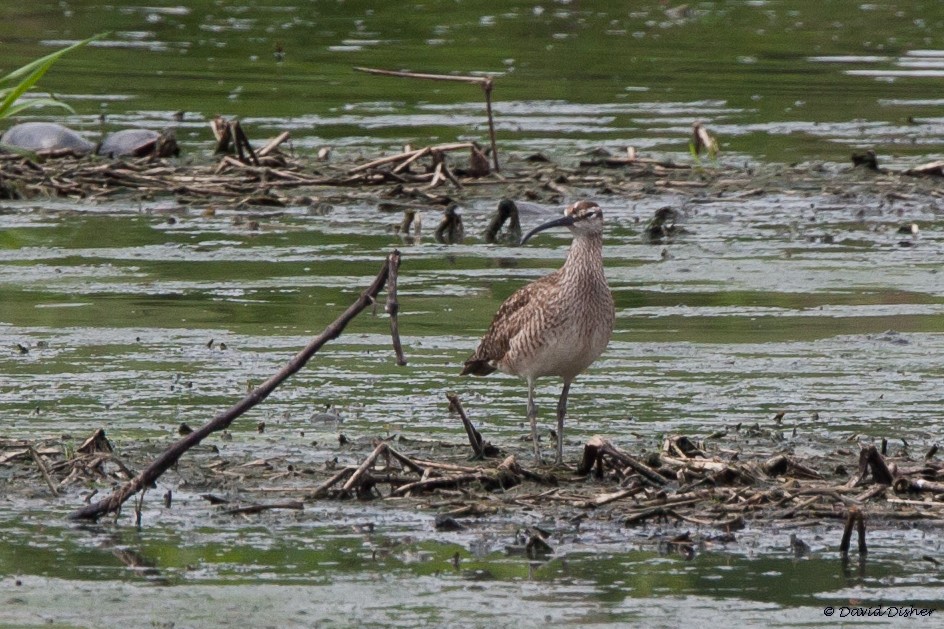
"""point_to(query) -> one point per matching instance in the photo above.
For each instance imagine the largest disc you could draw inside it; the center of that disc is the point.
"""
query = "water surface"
(803, 299)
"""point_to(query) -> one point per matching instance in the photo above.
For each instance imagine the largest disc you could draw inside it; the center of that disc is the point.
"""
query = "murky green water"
(787, 81)
(752, 313)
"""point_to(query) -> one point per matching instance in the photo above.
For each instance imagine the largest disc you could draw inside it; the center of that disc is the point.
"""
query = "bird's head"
(583, 218)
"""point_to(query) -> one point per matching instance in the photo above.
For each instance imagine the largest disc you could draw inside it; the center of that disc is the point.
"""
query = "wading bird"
(557, 325)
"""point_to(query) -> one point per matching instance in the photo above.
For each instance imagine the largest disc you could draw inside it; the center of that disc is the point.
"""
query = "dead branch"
(322, 490)
(273, 144)
(903, 485)
(485, 82)
(170, 456)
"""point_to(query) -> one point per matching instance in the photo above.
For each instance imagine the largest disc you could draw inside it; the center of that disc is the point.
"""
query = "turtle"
(139, 143)
(46, 136)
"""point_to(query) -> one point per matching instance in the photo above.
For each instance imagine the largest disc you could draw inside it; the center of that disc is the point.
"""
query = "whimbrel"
(557, 325)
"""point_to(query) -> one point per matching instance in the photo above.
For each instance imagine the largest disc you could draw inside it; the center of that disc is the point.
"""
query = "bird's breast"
(565, 335)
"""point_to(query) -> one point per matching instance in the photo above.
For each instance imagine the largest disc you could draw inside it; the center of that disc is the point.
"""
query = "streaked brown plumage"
(557, 325)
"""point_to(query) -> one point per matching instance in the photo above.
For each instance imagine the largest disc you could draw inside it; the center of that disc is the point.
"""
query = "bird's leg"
(533, 418)
(561, 411)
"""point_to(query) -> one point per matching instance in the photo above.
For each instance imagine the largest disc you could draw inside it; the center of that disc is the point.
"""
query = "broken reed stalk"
(485, 82)
(171, 455)
(475, 438)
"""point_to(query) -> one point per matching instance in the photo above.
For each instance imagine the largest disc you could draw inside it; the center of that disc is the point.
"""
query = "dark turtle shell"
(46, 136)
(138, 143)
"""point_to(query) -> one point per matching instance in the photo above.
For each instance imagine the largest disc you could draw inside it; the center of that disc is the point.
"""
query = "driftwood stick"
(475, 438)
(598, 446)
(414, 154)
(172, 454)
(449, 467)
(393, 306)
(406, 461)
(860, 529)
(292, 504)
(918, 484)
(485, 82)
(44, 471)
(501, 477)
(870, 459)
(605, 499)
(437, 482)
(481, 80)
(323, 488)
(368, 462)
(273, 144)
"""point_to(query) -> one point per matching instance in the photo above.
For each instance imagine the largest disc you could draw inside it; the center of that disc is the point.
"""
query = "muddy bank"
(689, 491)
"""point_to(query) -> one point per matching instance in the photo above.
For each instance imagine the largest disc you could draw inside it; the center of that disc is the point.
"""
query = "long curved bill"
(563, 221)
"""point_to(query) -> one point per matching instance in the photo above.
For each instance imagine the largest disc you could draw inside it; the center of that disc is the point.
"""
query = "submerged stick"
(172, 454)
(424, 75)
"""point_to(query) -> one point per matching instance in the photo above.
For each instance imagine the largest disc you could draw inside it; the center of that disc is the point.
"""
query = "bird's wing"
(518, 312)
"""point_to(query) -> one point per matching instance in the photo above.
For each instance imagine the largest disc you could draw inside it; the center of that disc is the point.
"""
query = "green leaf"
(29, 74)
(35, 103)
